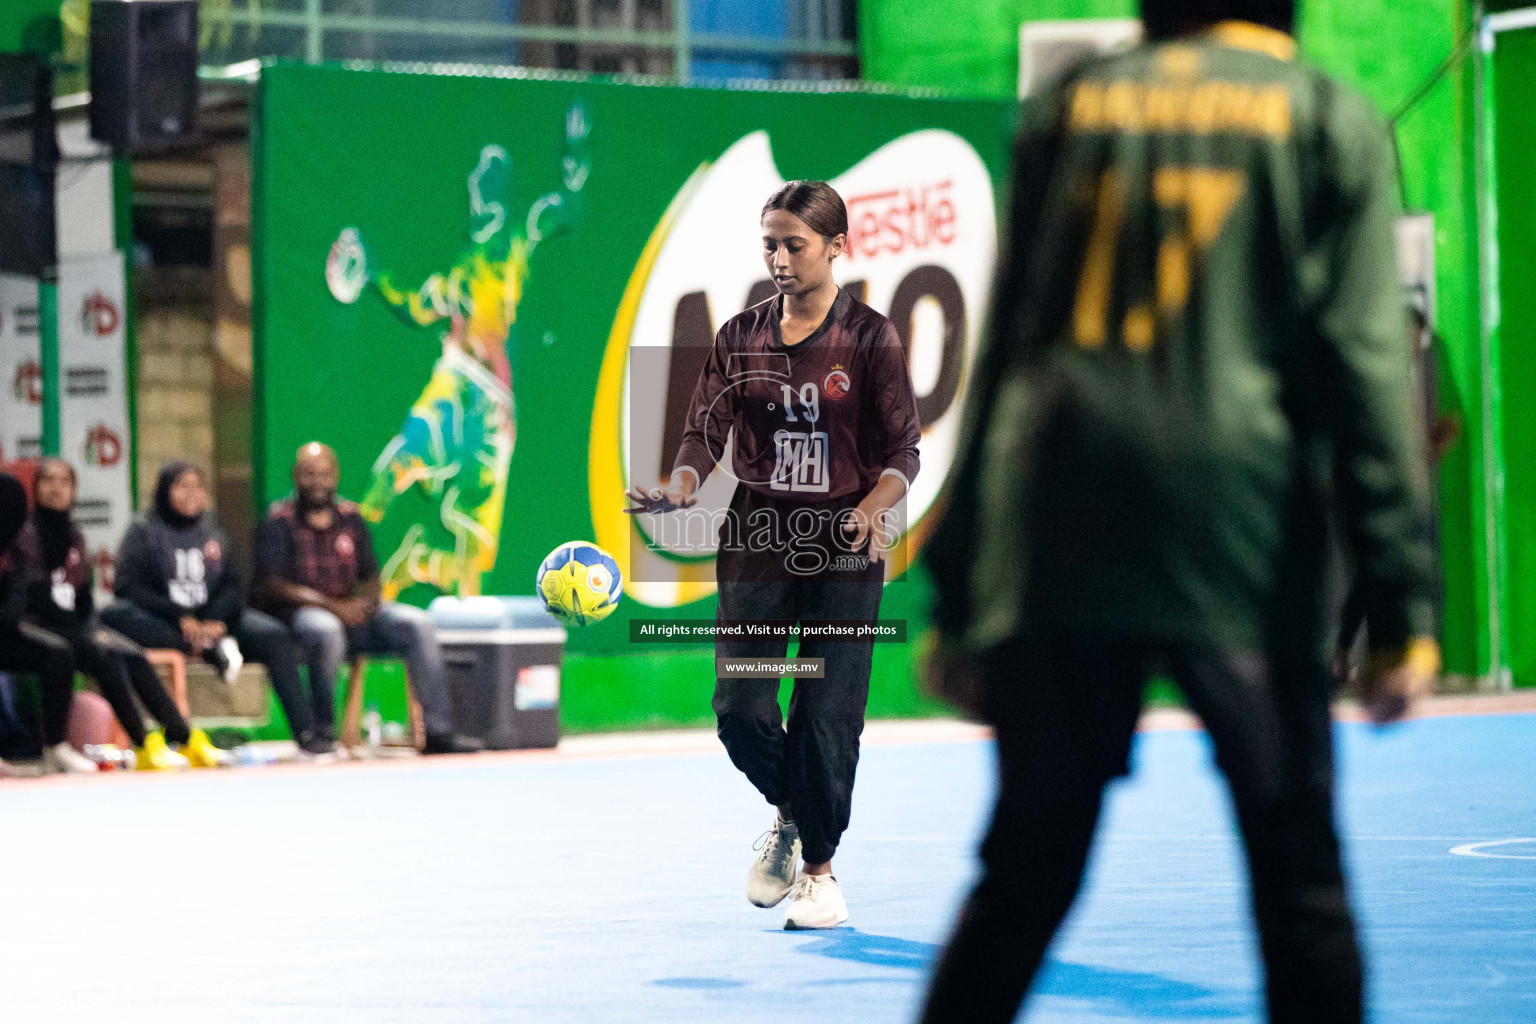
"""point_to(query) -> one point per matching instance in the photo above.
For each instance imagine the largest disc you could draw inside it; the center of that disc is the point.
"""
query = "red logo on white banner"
(98, 315)
(27, 386)
(102, 446)
(890, 221)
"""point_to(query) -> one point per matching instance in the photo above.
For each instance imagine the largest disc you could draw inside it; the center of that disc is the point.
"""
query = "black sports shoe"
(452, 743)
(318, 745)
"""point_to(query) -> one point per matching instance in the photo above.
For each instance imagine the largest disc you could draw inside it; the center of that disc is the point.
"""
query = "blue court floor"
(608, 889)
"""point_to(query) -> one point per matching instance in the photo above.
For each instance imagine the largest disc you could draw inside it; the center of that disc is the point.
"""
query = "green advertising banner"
(487, 293)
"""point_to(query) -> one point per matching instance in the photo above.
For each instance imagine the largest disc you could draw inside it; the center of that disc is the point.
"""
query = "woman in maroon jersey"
(23, 650)
(815, 386)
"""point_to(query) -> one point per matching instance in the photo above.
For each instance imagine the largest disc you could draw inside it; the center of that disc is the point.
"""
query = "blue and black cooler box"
(502, 656)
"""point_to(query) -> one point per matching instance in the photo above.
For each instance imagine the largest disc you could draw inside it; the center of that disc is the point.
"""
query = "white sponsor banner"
(1048, 50)
(21, 370)
(83, 194)
(93, 401)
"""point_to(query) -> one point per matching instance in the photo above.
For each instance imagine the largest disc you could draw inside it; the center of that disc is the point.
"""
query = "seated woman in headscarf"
(26, 649)
(177, 587)
(57, 575)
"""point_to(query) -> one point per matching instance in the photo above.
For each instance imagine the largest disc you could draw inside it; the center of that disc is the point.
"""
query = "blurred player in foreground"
(1198, 307)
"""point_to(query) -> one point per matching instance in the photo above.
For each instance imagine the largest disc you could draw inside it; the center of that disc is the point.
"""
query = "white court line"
(1476, 850)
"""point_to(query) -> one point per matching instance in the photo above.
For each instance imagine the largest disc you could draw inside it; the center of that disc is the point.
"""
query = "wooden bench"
(352, 716)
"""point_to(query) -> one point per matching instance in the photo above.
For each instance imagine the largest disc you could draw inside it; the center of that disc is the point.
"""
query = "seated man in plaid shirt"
(316, 571)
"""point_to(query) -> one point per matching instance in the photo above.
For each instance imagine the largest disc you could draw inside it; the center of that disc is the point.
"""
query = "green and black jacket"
(1197, 318)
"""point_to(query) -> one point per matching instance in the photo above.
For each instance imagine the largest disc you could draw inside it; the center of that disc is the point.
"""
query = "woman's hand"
(191, 632)
(678, 495)
(871, 520)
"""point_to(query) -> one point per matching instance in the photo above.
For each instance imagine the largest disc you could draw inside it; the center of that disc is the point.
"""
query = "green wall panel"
(30, 25)
(1514, 65)
(923, 44)
(395, 168)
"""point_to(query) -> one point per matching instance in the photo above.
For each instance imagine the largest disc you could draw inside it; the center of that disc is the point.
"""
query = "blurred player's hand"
(949, 675)
(1393, 680)
(657, 500)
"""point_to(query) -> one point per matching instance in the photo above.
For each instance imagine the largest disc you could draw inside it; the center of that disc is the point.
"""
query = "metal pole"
(48, 351)
(313, 37)
(682, 58)
(446, 29)
(1509, 21)
(1484, 128)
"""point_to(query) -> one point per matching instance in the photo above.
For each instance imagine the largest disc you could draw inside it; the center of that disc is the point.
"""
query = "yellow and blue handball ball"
(580, 583)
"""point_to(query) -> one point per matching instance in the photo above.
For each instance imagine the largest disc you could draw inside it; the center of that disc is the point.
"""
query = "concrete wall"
(175, 370)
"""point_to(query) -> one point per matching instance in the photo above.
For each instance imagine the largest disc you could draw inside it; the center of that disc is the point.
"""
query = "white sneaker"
(233, 659)
(61, 758)
(772, 873)
(818, 903)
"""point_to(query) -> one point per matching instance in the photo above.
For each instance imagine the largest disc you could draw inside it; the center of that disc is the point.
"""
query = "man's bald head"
(316, 473)
(316, 451)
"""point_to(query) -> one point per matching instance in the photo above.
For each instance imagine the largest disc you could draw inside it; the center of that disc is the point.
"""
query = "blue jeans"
(395, 629)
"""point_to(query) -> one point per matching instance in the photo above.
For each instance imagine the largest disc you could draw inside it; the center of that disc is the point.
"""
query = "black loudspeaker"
(143, 72)
(29, 156)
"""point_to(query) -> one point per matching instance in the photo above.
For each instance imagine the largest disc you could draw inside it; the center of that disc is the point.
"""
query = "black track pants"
(807, 761)
(25, 648)
(118, 666)
(1065, 711)
(262, 639)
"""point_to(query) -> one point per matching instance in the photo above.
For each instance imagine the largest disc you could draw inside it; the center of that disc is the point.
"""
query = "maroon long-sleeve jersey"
(814, 421)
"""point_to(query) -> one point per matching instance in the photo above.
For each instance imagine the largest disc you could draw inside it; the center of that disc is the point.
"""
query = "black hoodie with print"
(171, 565)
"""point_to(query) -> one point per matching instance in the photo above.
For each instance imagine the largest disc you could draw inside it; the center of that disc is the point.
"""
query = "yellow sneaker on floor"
(155, 756)
(201, 753)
